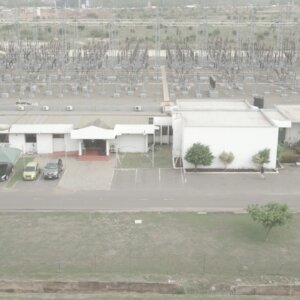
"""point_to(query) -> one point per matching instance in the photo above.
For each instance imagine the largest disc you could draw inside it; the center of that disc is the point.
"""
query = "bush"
(290, 158)
(297, 148)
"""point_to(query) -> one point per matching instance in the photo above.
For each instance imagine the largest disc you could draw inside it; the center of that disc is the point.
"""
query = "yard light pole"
(153, 155)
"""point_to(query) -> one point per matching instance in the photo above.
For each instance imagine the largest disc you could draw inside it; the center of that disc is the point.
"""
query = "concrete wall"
(17, 141)
(44, 143)
(242, 142)
(132, 143)
(293, 134)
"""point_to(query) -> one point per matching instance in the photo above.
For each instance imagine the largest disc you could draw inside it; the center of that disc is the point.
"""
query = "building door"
(95, 147)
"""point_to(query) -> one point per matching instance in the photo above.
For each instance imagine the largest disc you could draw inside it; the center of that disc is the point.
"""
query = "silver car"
(53, 168)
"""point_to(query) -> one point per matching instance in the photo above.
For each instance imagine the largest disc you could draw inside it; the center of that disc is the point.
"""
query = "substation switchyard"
(71, 70)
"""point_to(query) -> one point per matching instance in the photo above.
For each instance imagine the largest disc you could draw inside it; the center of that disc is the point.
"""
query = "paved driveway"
(87, 175)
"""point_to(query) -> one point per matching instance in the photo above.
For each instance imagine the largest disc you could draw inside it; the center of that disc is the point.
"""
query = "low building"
(77, 133)
(235, 127)
(290, 135)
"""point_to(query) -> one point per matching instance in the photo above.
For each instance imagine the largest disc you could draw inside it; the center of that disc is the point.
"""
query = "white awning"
(92, 133)
(134, 129)
(41, 128)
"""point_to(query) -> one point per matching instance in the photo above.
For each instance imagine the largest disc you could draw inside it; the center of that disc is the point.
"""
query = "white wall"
(132, 143)
(17, 141)
(44, 143)
(71, 145)
(293, 133)
(58, 144)
(177, 136)
(242, 142)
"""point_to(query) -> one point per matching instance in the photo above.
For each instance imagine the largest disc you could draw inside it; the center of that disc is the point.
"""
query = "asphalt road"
(164, 190)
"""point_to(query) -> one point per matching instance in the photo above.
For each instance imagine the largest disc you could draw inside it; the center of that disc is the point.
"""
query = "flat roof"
(211, 104)
(78, 119)
(292, 112)
(277, 118)
(208, 118)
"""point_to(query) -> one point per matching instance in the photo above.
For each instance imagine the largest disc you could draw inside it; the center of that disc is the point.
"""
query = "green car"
(31, 171)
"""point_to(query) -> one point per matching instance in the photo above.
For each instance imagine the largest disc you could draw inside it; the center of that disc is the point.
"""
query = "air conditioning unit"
(138, 108)
(45, 107)
(20, 107)
(69, 107)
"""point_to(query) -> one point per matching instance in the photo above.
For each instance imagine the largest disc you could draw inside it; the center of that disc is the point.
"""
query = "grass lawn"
(197, 251)
(18, 170)
(162, 158)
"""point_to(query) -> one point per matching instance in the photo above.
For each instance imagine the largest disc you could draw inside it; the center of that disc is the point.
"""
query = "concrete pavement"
(165, 190)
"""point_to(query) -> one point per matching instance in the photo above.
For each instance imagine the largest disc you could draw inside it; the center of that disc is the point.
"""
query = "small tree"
(226, 158)
(199, 155)
(262, 157)
(270, 215)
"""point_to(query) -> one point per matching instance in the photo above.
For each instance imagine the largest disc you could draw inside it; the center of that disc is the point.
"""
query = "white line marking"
(159, 175)
(143, 199)
(168, 199)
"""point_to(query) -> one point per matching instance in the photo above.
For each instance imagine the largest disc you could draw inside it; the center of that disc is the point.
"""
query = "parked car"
(31, 171)
(5, 170)
(53, 168)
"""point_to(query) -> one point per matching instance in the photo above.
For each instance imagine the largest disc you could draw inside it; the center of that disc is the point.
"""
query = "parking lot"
(103, 176)
(148, 178)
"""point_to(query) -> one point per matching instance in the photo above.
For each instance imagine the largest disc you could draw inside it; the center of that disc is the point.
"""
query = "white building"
(235, 127)
(79, 133)
(291, 134)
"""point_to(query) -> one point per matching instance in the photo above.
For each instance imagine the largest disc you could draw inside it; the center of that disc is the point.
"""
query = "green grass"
(197, 251)
(18, 171)
(162, 158)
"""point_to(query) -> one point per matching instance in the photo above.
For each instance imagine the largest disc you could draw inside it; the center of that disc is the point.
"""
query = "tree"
(270, 215)
(226, 158)
(199, 155)
(262, 157)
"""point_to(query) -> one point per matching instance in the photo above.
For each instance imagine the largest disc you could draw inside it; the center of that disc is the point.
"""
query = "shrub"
(290, 158)
(297, 148)
(199, 155)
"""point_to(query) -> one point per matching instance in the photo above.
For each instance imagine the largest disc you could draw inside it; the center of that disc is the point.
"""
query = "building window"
(170, 131)
(151, 120)
(4, 138)
(58, 136)
(30, 138)
(164, 130)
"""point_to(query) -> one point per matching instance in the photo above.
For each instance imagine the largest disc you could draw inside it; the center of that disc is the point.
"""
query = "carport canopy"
(92, 133)
(9, 155)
